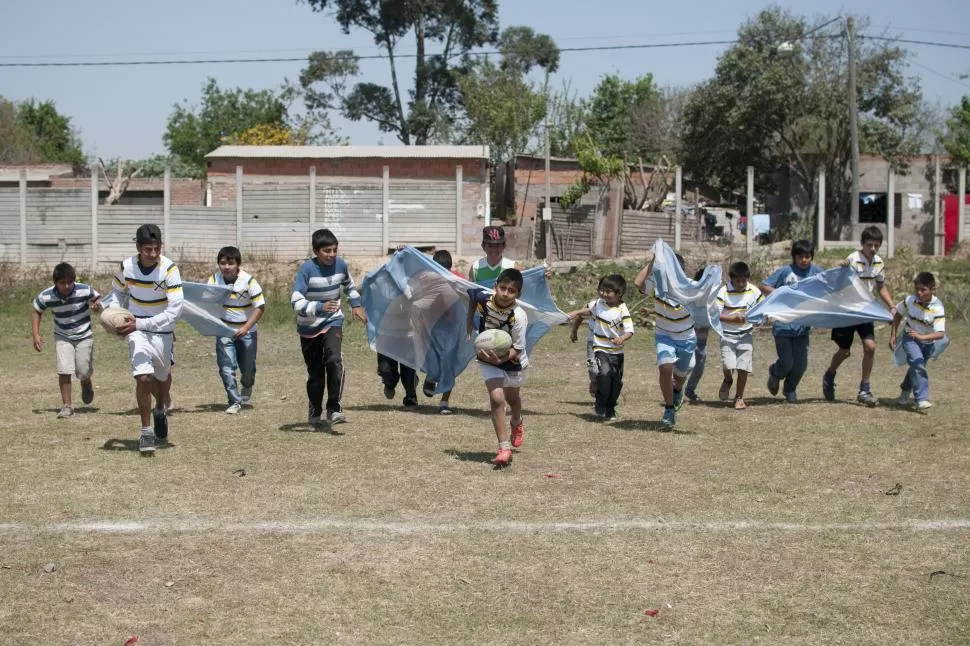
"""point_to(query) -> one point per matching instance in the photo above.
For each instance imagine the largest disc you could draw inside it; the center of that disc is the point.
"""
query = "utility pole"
(547, 211)
(853, 121)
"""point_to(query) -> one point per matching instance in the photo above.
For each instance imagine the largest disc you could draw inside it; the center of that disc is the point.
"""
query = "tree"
(956, 140)
(267, 134)
(193, 132)
(431, 105)
(17, 144)
(502, 107)
(567, 121)
(54, 140)
(784, 110)
(612, 110)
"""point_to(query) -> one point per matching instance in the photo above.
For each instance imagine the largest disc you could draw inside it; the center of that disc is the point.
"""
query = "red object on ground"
(131, 641)
(651, 613)
(951, 220)
(553, 475)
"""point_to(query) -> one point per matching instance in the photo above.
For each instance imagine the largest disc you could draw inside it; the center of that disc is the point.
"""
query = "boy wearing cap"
(494, 263)
(150, 286)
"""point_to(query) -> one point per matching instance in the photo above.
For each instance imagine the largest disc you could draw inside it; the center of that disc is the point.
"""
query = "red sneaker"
(503, 458)
(518, 434)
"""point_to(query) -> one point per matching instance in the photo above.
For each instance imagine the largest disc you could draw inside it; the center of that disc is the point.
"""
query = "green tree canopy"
(39, 133)
(432, 105)
(612, 110)
(956, 140)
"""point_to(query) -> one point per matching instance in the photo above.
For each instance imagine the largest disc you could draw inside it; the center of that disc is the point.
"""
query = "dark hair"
(510, 276)
(443, 258)
(64, 270)
(614, 283)
(925, 279)
(802, 248)
(680, 259)
(323, 238)
(229, 253)
(739, 270)
(871, 234)
(700, 273)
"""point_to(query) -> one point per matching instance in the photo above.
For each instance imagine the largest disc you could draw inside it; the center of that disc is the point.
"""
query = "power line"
(952, 79)
(930, 43)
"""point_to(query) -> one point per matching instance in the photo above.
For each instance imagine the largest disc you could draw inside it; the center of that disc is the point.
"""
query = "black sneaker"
(773, 383)
(828, 386)
(410, 402)
(87, 392)
(429, 388)
(161, 424)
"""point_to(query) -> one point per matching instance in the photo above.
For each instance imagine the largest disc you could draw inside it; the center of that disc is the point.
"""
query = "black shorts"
(843, 336)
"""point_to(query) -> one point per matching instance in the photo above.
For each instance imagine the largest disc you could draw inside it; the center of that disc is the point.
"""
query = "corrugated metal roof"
(344, 152)
(32, 176)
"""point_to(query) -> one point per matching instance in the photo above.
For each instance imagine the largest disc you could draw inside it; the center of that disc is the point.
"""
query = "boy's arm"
(894, 327)
(173, 309)
(627, 324)
(259, 307)
(350, 289)
(119, 288)
(35, 329)
(644, 274)
(470, 319)
(298, 299)
(577, 321)
(518, 338)
(887, 298)
(95, 300)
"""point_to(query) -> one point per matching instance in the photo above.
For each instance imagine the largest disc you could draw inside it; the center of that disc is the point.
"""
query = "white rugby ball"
(113, 318)
(498, 341)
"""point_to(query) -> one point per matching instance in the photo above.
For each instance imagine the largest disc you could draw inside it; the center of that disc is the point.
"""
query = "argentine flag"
(834, 298)
(201, 308)
(417, 310)
(698, 297)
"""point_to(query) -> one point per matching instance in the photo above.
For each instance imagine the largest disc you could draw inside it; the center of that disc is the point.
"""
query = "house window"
(873, 208)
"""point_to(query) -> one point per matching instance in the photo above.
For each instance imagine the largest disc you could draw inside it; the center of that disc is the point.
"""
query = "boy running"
(494, 262)
(925, 325)
(737, 344)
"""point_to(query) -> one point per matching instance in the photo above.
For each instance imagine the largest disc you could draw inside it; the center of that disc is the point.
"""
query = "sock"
(668, 407)
(513, 422)
(864, 386)
(504, 446)
(830, 373)
(147, 430)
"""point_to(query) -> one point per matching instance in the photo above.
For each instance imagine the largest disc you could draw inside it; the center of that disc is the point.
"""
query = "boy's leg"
(333, 361)
(64, 383)
(601, 367)
(409, 379)
(64, 354)
(917, 375)
(744, 364)
(316, 380)
(799, 355)
(867, 333)
(780, 369)
(161, 384)
(387, 369)
(226, 360)
(666, 377)
(496, 399)
(700, 360)
(246, 358)
(616, 383)
(591, 368)
(144, 390)
(843, 337)
(682, 368)
(84, 368)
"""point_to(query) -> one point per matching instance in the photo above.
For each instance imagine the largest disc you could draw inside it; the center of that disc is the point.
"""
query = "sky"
(122, 111)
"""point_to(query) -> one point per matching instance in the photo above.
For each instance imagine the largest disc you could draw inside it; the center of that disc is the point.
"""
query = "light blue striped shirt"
(72, 314)
(315, 284)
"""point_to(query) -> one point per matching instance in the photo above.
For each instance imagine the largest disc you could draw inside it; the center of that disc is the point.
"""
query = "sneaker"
(518, 434)
(234, 408)
(678, 399)
(336, 417)
(388, 392)
(828, 386)
(691, 396)
(773, 383)
(923, 405)
(866, 397)
(502, 458)
(599, 414)
(245, 395)
(739, 404)
(669, 419)
(65, 412)
(724, 393)
(791, 398)
(428, 388)
(611, 416)
(87, 392)
(903, 399)
(314, 419)
(160, 420)
(146, 444)
(409, 402)
(444, 409)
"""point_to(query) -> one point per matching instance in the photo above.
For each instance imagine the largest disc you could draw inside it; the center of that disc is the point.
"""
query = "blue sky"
(121, 111)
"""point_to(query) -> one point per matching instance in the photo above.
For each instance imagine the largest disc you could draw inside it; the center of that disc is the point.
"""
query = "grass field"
(771, 525)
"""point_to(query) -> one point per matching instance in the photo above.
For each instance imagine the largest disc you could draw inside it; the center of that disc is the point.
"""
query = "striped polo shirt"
(871, 273)
(734, 301)
(152, 294)
(513, 320)
(606, 324)
(482, 272)
(246, 295)
(315, 284)
(923, 318)
(671, 318)
(72, 314)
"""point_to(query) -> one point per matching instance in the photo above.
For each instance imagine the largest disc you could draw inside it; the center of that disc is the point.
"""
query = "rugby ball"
(498, 341)
(113, 318)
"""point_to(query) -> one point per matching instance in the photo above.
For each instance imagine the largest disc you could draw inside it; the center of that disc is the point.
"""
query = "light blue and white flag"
(201, 308)
(834, 298)
(698, 296)
(417, 311)
(899, 354)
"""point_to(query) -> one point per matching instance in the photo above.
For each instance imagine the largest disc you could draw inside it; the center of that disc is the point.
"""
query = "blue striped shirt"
(315, 284)
(72, 314)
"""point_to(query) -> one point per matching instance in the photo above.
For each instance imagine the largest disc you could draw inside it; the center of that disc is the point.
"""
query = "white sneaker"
(903, 399)
(336, 417)
(65, 412)
(923, 405)
(234, 408)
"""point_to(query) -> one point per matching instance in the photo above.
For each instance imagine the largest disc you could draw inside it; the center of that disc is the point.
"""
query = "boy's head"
(740, 274)
(802, 253)
(493, 243)
(64, 278)
(508, 287)
(443, 258)
(324, 246)
(924, 285)
(229, 260)
(611, 288)
(148, 241)
(680, 259)
(871, 241)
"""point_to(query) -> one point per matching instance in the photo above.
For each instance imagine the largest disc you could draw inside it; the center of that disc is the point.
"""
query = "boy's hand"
(488, 356)
(38, 343)
(844, 263)
(914, 334)
(96, 306)
(330, 307)
(128, 328)
(892, 342)
(241, 332)
(359, 314)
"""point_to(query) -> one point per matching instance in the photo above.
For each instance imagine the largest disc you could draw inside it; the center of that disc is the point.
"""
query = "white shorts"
(510, 378)
(737, 352)
(74, 357)
(150, 353)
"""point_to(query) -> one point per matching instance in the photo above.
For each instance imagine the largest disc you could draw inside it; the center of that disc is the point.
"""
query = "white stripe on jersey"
(607, 324)
(72, 314)
(246, 296)
(925, 319)
(871, 273)
(153, 296)
(733, 301)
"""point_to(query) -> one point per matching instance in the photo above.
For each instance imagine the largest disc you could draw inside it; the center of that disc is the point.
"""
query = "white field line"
(334, 525)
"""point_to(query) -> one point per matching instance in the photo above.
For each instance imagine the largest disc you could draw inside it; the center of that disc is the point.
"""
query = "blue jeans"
(792, 361)
(916, 378)
(700, 360)
(233, 354)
